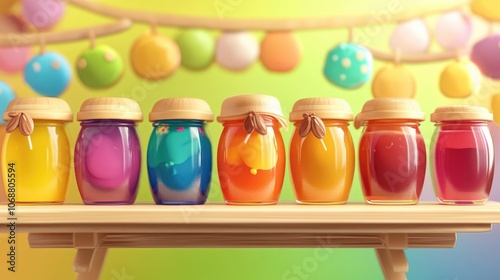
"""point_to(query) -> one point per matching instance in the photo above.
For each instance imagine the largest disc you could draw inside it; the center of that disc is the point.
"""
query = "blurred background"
(475, 256)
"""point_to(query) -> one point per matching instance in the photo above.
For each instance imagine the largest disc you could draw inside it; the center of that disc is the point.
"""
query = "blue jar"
(179, 151)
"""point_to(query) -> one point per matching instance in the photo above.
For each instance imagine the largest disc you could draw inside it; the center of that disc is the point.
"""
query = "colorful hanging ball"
(460, 79)
(393, 80)
(280, 51)
(495, 108)
(410, 36)
(14, 59)
(486, 55)
(48, 74)
(43, 14)
(197, 48)
(6, 5)
(236, 50)
(349, 65)
(6, 96)
(154, 56)
(488, 9)
(453, 30)
(99, 67)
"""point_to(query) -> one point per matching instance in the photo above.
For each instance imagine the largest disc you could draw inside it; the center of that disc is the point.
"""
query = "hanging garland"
(348, 65)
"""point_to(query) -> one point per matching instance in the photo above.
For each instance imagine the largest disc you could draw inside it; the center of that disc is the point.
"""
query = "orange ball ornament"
(280, 51)
(154, 56)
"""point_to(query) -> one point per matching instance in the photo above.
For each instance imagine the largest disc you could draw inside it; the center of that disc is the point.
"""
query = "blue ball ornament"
(6, 96)
(48, 74)
(349, 65)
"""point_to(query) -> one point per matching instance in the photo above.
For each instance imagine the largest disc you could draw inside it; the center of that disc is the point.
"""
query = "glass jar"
(36, 150)
(392, 154)
(179, 151)
(462, 154)
(251, 153)
(107, 151)
(321, 151)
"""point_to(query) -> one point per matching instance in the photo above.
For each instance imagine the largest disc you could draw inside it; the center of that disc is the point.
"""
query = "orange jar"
(322, 151)
(251, 153)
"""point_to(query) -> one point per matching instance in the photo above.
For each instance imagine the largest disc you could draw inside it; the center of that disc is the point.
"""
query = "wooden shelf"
(388, 229)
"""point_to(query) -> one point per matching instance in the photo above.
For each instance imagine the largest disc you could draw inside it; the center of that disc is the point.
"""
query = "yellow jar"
(36, 150)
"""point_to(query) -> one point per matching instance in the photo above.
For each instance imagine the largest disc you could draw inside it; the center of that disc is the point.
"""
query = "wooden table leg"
(90, 257)
(393, 263)
(96, 263)
(392, 258)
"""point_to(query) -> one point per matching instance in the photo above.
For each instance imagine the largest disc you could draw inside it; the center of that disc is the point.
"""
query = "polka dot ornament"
(99, 67)
(6, 96)
(349, 65)
(48, 74)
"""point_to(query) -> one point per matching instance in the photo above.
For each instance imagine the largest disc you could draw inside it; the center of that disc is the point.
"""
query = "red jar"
(392, 155)
(462, 154)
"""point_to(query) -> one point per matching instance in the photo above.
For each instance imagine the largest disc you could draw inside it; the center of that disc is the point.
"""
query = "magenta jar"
(462, 154)
(108, 152)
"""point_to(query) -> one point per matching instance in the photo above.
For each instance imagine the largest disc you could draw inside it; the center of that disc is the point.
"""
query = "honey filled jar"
(36, 153)
(321, 151)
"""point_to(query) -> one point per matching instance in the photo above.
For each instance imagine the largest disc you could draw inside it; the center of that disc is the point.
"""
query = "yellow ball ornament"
(154, 56)
(488, 9)
(460, 79)
(394, 80)
(495, 108)
(6, 5)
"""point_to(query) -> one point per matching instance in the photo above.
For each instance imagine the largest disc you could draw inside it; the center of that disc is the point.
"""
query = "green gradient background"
(214, 84)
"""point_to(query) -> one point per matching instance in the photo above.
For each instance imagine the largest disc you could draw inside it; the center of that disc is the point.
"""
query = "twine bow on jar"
(22, 121)
(314, 124)
(254, 122)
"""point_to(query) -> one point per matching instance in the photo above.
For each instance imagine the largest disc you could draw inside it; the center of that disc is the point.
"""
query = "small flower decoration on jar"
(162, 129)
(180, 129)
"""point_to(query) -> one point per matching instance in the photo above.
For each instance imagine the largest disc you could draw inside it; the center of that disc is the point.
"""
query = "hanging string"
(92, 38)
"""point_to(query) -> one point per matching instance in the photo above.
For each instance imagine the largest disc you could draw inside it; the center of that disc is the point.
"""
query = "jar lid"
(181, 109)
(322, 107)
(110, 108)
(389, 108)
(461, 112)
(40, 108)
(237, 107)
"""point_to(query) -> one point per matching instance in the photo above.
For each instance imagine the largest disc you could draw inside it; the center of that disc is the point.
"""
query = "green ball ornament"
(99, 67)
(197, 48)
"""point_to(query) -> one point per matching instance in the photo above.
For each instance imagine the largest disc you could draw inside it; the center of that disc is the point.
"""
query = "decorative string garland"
(348, 65)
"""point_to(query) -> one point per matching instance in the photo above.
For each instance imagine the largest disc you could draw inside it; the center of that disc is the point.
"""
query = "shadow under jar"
(392, 154)
(462, 154)
(108, 152)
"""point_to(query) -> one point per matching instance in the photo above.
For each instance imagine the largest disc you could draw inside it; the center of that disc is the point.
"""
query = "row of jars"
(251, 157)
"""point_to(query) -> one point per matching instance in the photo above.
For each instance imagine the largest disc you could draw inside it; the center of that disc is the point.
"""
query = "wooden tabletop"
(352, 217)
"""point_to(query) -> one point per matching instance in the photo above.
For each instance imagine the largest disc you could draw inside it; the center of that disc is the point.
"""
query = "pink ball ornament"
(43, 14)
(411, 36)
(13, 59)
(486, 55)
(453, 30)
